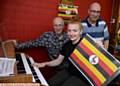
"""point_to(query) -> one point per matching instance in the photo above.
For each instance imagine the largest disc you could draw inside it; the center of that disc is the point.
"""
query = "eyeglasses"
(94, 11)
(58, 25)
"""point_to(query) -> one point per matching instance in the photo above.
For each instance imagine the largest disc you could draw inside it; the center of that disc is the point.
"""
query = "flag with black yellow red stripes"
(94, 62)
(67, 12)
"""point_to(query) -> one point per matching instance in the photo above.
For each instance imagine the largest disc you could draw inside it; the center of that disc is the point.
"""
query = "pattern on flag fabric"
(96, 64)
(67, 11)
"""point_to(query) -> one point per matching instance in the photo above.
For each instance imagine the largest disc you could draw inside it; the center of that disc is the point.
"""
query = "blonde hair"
(75, 18)
(77, 22)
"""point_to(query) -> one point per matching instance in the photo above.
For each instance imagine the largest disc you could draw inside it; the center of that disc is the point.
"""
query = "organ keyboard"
(24, 66)
(24, 72)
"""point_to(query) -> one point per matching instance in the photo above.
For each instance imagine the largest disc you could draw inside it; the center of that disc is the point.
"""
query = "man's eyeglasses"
(94, 11)
(58, 25)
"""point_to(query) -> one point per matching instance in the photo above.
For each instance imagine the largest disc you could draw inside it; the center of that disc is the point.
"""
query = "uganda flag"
(67, 11)
(97, 65)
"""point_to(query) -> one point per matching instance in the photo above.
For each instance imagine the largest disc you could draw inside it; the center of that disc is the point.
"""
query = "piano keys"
(24, 72)
(24, 66)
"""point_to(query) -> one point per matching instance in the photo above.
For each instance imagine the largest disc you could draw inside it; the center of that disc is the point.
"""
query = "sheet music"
(6, 66)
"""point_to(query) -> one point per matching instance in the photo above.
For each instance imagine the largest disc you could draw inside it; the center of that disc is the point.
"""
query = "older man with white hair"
(95, 26)
(51, 40)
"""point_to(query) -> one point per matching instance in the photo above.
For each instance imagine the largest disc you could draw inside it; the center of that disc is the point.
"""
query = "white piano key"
(26, 65)
(42, 79)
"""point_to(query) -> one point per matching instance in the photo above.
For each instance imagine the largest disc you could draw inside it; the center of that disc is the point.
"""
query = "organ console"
(24, 72)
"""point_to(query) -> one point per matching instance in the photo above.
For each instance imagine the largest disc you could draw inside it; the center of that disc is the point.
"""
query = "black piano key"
(36, 77)
(37, 80)
(20, 65)
(21, 71)
(33, 71)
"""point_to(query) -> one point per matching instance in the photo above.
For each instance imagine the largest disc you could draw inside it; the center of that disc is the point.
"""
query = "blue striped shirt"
(99, 31)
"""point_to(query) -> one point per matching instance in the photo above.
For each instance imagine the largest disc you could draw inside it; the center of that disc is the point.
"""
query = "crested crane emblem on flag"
(97, 65)
(93, 59)
(67, 11)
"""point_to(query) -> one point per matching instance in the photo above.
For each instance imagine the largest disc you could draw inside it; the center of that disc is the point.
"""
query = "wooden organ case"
(23, 71)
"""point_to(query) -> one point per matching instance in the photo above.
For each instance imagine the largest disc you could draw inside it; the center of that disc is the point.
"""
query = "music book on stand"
(6, 66)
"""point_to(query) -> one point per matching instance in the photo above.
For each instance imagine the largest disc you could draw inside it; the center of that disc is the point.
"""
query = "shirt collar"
(89, 25)
(57, 37)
